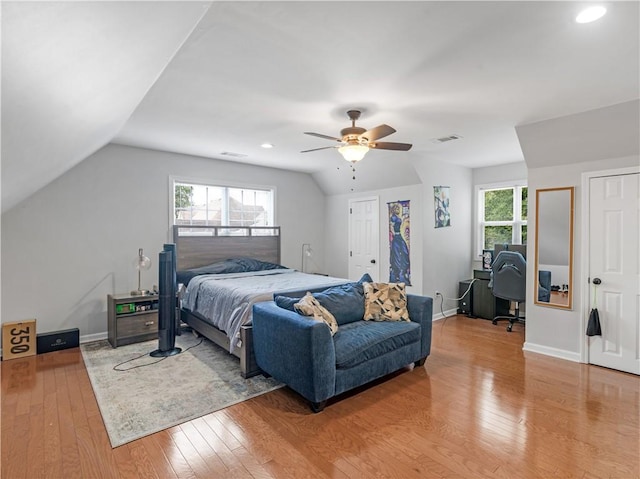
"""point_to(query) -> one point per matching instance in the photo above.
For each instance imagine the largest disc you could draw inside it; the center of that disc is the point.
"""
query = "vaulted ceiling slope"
(594, 135)
(255, 72)
(72, 74)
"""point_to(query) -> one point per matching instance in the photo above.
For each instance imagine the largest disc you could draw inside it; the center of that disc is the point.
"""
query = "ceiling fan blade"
(379, 131)
(320, 135)
(386, 145)
(316, 149)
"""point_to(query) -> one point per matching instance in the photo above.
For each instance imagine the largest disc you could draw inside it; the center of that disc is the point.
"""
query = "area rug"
(146, 395)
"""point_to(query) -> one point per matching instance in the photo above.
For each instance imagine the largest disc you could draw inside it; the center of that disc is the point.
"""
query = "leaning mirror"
(554, 247)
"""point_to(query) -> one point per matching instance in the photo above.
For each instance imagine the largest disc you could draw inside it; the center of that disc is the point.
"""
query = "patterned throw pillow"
(309, 306)
(385, 302)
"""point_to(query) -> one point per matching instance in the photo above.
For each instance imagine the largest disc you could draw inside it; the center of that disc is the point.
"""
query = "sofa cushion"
(345, 301)
(309, 306)
(385, 302)
(361, 341)
(286, 302)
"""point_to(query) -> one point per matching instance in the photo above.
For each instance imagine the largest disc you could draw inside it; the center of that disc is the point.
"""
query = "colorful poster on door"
(399, 235)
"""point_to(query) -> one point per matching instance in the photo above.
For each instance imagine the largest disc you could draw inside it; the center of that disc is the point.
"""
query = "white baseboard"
(449, 312)
(548, 351)
(89, 338)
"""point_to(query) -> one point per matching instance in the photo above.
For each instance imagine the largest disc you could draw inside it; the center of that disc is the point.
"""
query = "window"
(502, 216)
(216, 205)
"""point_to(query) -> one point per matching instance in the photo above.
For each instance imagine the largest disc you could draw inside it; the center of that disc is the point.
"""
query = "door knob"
(596, 281)
(373, 261)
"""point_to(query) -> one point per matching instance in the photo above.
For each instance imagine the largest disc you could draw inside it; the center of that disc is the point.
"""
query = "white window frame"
(517, 221)
(217, 184)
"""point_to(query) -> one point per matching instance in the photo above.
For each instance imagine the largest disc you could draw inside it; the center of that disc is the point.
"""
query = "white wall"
(558, 332)
(440, 258)
(553, 209)
(596, 140)
(73, 242)
(499, 174)
(551, 331)
(447, 251)
(593, 135)
(337, 236)
(559, 272)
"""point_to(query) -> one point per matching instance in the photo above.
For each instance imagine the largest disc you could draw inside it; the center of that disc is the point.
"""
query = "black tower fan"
(167, 304)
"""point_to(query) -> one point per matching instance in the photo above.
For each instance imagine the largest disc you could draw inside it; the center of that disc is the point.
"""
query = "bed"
(219, 305)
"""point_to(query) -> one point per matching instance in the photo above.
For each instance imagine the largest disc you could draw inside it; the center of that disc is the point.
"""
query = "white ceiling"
(254, 72)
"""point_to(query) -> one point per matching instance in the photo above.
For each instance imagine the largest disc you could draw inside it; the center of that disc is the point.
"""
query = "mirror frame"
(571, 190)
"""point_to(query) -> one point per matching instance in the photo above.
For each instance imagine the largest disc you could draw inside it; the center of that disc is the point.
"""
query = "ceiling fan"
(356, 141)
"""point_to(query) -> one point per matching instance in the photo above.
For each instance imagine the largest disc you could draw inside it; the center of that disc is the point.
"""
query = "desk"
(485, 304)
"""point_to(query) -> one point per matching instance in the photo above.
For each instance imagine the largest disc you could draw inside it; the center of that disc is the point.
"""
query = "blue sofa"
(544, 286)
(301, 352)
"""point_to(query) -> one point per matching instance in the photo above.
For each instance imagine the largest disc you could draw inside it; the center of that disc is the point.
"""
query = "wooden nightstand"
(132, 318)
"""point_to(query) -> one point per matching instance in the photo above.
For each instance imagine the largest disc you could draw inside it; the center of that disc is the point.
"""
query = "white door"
(614, 231)
(364, 238)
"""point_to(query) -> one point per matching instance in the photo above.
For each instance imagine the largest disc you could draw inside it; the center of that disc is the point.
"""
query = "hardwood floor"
(480, 408)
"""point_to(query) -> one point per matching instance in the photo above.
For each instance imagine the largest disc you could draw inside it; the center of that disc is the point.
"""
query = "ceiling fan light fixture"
(353, 153)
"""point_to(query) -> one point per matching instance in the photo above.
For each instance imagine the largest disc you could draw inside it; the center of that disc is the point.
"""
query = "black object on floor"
(57, 340)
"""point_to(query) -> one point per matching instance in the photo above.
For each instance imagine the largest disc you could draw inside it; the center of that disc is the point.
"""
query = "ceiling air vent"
(233, 155)
(444, 139)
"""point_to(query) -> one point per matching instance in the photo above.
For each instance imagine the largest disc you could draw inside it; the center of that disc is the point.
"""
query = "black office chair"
(509, 281)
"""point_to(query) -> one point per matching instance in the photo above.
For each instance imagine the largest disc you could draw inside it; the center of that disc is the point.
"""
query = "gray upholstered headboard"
(202, 245)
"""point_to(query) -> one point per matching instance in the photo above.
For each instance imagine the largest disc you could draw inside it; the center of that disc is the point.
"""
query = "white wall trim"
(554, 352)
(437, 316)
(90, 338)
(501, 184)
(583, 348)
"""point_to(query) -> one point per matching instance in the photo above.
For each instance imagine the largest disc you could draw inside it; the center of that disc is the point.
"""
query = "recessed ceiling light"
(266, 145)
(591, 14)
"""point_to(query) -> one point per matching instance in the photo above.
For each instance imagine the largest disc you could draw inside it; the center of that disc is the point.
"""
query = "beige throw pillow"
(385, 302)
(309, 306)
